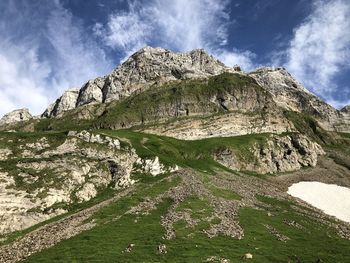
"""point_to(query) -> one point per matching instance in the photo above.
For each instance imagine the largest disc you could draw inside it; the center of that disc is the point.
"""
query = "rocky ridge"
(289, 94)
(146, 67)
(64, 103)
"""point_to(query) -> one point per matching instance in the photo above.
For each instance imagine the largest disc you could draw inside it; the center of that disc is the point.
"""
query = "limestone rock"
(87, 192)
(95, 138)
(248, 256)
(346, 109)
(15, 116)
(155, 167)
(143, 69)
(66, 102)
(91, 92)
(277, 154)
(291, 95)
(4, 153)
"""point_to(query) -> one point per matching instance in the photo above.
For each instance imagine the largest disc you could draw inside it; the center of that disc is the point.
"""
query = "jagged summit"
(155, 66)
(144, 68)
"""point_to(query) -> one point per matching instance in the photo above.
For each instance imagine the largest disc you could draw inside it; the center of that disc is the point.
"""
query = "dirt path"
(50, 234)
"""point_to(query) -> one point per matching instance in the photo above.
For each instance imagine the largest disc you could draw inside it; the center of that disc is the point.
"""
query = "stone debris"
(96, 138)
(217, 259)
(51, 234)
(129, 248)
(273, 231)
(162, 249)
(292, 223)
(4, 153)
(248, 256)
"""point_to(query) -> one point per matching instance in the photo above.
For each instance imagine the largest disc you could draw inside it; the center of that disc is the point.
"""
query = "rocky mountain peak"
(16, 116)
(144, 68)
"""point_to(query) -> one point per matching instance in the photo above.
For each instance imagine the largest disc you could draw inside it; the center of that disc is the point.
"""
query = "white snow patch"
(332, 199)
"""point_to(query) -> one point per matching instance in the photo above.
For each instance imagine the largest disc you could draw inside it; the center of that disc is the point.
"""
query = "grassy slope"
(196, 154)
(109, 239)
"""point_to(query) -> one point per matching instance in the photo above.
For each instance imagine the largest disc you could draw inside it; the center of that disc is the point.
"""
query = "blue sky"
(47, 47)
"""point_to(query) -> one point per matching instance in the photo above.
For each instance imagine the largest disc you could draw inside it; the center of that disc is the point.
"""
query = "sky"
(47, 47)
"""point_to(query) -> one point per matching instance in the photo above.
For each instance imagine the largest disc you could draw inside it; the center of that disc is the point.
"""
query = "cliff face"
(146, 67)
(43, 175)
(276, 154)
(156, 67)
(289, 94)
(64, 103)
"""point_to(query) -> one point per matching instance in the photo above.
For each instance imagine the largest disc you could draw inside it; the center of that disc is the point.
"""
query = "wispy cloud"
(320, 48)
(178, 25)
(43, 51)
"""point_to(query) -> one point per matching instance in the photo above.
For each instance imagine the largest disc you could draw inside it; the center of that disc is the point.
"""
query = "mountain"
(146, 67)
(174, 157)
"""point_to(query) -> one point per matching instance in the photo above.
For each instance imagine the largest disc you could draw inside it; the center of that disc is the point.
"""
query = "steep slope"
(146, 67)
(203, 212)
(291, 95)
(64, 103)
(173, 157)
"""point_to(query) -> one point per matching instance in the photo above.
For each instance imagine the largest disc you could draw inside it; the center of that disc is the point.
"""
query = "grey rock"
(277, 154)
(291, 95)
(16, 116)
(143, 69)
(66, 102)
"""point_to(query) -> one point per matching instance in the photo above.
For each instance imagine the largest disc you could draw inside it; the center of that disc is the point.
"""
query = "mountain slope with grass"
(173, 157)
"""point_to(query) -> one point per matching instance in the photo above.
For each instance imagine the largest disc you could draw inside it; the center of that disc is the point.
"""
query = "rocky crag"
(41, 176)
(156, 66)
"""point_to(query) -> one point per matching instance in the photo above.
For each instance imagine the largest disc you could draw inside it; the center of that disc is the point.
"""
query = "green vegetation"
(107, 242)
(197, 154)
(307, 125)
(199, 208)
(154, 105)
(161, 103)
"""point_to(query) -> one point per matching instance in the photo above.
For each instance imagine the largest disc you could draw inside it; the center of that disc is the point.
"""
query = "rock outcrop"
(143, 69)
(15, 116)
(289, 94)
(53, 174)
(277, 154)
(154, 166)
(64, 103)
(41, 176)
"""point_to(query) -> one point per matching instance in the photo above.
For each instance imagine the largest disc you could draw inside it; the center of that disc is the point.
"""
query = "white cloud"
(43, 51)
(178, 25)
(320, 48)
(236, 57)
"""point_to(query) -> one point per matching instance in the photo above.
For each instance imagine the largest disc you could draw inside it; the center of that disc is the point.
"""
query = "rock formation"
(156, 66)
(277, 154)
(289, 94)
(66, 102)
(16, 116)
(146, 67)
